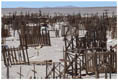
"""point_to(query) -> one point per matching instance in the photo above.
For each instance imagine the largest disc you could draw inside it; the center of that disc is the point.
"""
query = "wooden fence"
(100, 60)
(15, 56)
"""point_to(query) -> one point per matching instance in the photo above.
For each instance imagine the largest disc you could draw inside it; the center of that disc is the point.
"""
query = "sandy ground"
(53, 52)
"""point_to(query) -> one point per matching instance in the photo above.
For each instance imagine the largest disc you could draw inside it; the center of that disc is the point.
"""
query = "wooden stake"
(46, 69)
(59, 70)
(72, 69)
(8, 68)
(76, 68)
(105, 73)
(80, 69)
(34, 71)
(53, 70)
(20, 72)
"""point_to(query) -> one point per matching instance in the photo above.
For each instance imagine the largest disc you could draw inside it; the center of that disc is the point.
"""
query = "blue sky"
(40, 4)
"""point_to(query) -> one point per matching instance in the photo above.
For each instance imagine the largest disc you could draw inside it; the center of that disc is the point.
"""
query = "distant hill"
(62, 10)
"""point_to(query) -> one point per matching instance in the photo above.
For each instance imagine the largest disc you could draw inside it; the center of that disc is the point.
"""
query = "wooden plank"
(40, 62)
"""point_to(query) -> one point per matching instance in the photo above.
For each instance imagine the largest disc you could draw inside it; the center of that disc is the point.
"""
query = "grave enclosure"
(88, 53)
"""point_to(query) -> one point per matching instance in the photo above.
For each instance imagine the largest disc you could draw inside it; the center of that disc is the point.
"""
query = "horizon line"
(63, 7)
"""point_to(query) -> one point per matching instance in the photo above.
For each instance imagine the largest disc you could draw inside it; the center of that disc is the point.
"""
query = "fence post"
(59, 70)
(105, 72)
(49, 38)
(110, 74)
(86, 62)
(34, 72)
(53, 70)
(46, 70)
(96, 65)
(8, 68)
(72, 69)
(76, 68)
(65, 57)
(20, 72)
(80, 68)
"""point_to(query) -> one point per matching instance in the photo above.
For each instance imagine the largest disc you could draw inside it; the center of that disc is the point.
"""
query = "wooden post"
(105, 72)
(82, 61)
(15, 55)
(53, 70)
(7, 72)
(49, 38)
(46, 69)
(38, 36)
(46, 36)
(34, 71)
(26, 41)
(110, 66)
(8, 68)
(76, 68)
(110, 74)
(20, 72)
(80, 68)
(111, 60)
(96, 65)
(43, 41)
(72, 43)
(76, 41)
(59, 70)
(63, 53)
(65, 57)
(72, 69)
(99, 58)
(86, 63)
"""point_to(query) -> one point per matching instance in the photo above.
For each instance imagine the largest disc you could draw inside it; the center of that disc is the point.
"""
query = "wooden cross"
(20, 73)
(34, 72)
